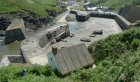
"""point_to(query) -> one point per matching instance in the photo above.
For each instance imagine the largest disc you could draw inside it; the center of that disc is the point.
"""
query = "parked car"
(85, 39)
(98, 31)
(92, 35)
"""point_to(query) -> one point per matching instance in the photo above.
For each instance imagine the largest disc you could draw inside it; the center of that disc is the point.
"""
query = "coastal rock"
(31, 20)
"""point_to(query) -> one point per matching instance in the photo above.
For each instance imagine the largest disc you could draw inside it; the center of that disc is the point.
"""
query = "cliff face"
(31, 20)
(33, 12)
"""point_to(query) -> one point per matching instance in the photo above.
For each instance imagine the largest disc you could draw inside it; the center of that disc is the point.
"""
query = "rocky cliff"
(31, 19)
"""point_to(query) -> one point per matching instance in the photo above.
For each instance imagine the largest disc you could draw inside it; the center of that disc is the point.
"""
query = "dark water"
(14, 48)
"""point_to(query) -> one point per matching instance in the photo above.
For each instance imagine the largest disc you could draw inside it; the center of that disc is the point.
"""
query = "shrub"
(135, 43)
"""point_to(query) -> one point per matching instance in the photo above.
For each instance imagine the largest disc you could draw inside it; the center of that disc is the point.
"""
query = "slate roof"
(72, 58)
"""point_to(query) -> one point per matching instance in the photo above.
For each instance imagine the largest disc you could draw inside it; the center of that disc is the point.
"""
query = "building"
(15, 31)
(89, 4)
(68, 59)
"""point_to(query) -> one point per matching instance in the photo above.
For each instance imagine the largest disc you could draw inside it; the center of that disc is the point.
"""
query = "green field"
(36, 6)
(116, 4)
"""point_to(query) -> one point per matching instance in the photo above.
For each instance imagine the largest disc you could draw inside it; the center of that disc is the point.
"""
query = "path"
(63, 18)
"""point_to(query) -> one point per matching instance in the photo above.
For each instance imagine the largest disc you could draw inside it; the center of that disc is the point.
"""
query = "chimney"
(54, 49)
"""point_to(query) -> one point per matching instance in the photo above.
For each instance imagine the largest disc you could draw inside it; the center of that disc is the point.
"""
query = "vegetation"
(34, 73)
(38, 7)
(116, 4)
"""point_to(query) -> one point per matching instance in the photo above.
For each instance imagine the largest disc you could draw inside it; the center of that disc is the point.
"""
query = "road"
(63, 18)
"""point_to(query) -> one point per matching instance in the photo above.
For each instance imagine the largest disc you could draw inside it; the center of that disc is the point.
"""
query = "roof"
(16, 23)
(72, 58)
(87, 3)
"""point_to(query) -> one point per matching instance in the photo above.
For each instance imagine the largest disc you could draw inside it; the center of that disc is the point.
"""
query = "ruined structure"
(15, 31)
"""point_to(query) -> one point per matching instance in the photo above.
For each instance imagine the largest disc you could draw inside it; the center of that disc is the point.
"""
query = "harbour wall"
(82, 16)
(15, 31)
(54, 35)
(13, 35)
(8, 59)
(123, 23)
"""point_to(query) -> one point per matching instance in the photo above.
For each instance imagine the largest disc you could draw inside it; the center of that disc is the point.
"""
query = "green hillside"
(36, 6)
(116, 4)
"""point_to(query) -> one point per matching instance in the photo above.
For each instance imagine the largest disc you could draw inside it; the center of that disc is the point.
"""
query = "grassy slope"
(116, 4)
(36, 6)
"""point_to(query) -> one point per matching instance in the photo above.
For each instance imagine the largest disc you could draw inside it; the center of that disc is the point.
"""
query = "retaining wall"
(82, 16)
(73, 11)
(57, 34)
(15, 31)
(124, 24)
(8, 59)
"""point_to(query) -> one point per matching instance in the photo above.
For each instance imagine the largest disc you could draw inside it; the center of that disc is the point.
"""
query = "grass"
(116, 4)
(35, 6)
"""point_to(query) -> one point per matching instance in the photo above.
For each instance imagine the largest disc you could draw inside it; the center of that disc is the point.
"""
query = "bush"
(115, 45)
(34, 73)
(135, 43)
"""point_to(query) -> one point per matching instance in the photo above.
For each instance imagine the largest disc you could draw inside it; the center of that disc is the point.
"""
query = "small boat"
(71, 35)
(98, 32)
(92, 35)
(85, 39)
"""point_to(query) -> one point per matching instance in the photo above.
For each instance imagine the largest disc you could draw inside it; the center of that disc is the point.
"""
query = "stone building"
(15, 31)
(68, 59)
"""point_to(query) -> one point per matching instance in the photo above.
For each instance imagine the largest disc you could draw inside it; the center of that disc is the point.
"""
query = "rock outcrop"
(31, 19)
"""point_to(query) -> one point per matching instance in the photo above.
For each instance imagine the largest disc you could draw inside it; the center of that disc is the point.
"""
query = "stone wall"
(82, 16)
(15, 31)
(59, 33)
(124, 24)
(43, 41)
(15, 58)
(73, 11)
(8, 59)
(10, 36)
